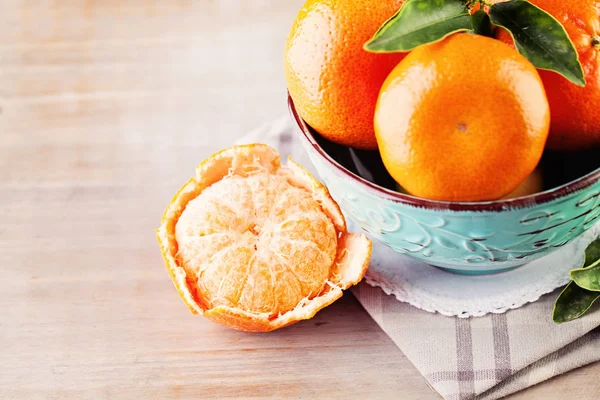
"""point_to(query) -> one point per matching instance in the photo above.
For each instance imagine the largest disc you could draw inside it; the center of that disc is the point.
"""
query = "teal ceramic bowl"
(470, 238)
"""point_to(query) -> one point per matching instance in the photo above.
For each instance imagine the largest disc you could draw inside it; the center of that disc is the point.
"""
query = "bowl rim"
(495, 205)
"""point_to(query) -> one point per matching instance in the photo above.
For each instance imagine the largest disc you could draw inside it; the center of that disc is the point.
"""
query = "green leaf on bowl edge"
(540, 38)
(482, 24)
(572, 303)
(420, 22)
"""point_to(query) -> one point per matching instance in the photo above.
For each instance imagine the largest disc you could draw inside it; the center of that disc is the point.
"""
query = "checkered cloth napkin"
(488, 357)
(478, 358)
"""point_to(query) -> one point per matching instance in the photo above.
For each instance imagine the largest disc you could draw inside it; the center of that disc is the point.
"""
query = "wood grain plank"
(105, 109)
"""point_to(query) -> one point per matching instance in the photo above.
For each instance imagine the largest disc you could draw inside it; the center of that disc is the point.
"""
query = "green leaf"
(539, 37)
(419, 22)
(588, 277)
(592, 253)
(572, 303)
(482, 25)
(579, 295)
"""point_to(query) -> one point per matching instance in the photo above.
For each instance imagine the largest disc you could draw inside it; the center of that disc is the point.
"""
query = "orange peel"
(256, 246)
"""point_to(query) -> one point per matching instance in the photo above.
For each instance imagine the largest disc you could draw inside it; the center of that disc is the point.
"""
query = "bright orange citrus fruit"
(575, 110)
(256, 246)
(464, 119)
(333, 81)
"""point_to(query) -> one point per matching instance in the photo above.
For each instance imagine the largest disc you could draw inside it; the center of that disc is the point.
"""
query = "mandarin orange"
(575, 110)
(256, 246)
(333, 81)
(464, 119)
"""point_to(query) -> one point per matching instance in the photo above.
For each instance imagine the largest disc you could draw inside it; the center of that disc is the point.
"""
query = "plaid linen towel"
(478, 358)
(487, 357)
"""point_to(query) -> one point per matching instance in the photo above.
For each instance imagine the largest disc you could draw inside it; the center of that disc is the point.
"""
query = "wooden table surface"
(105, 109)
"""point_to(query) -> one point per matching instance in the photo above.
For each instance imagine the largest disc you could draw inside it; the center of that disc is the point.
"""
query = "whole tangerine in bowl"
(446, 132)
(333, 81)
(255, 245)
(575, 115)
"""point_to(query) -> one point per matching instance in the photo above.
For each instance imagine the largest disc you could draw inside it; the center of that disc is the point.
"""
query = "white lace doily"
(435, 290)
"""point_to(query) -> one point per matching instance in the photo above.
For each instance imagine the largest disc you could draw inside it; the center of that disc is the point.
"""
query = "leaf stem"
(482, 3)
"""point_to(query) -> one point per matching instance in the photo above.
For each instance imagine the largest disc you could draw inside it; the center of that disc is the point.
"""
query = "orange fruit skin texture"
(333, 81)
(464, 119)
(575, 110)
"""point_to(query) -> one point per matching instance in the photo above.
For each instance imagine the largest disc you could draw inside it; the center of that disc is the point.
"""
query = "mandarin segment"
(254, 245)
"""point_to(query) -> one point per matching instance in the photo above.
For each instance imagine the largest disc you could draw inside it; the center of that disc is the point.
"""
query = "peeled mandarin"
(256, 246)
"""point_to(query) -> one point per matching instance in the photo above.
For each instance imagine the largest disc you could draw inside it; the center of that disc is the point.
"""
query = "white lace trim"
(467, 296)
